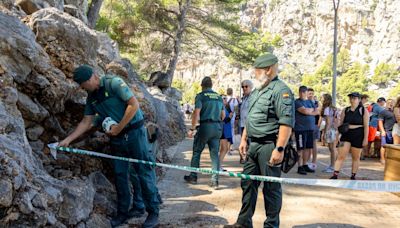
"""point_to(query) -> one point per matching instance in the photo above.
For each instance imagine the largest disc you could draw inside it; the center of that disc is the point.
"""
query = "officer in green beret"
(209, 109)
(268, 128)
(110, 96)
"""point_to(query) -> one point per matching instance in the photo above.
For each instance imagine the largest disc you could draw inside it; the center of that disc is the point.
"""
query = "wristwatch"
(280, 149)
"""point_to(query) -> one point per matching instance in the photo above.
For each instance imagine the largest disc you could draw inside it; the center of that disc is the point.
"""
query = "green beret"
(265, 60)
(82, 74)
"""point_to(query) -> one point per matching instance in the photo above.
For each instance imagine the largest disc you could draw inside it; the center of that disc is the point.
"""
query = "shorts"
(229, 139)
(354, 136)
(388, 139)
(317, 134)
(371, 133)
(304, 139)
(330, 135)
(396, 130)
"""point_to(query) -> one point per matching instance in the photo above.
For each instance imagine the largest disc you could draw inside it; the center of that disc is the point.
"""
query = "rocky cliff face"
(40, 46)
(369, 29)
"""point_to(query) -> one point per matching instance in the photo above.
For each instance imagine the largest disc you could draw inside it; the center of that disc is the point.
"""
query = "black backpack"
(290, 158)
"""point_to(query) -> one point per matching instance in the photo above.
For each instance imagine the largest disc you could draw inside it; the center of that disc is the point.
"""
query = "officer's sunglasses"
(245, 86)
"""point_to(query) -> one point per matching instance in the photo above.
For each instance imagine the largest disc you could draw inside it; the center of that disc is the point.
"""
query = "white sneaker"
(312, 166)
(329, 169)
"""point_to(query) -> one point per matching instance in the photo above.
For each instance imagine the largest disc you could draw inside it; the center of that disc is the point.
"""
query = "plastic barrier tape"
(377, 186)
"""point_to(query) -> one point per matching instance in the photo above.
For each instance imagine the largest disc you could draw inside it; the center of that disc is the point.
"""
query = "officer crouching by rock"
(110, 99)
(269, 125)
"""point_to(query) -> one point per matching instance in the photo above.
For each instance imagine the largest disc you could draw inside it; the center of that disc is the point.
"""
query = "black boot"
(301, 170)
(151, 221)
(307, 169)
(190, 179)
(118, 220)
(136, 213)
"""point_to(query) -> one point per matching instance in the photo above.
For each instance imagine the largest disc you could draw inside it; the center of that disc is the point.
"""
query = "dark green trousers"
(135, 145)
(256, 164)
(210, 134)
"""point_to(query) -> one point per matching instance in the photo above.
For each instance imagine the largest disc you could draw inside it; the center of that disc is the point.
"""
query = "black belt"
(128, 128)
(264, 140)
(210, 121)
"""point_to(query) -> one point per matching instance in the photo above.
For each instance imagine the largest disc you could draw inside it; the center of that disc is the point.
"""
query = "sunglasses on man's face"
(245, 86)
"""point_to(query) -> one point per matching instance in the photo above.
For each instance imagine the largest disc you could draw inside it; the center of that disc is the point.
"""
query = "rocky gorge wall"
(369, 29)
(41, 42)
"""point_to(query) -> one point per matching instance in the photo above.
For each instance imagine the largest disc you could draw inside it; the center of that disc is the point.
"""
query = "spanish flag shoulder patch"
(285, 95)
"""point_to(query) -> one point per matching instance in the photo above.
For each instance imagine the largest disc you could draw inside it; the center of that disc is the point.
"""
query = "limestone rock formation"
(368, 29)
(39, 104)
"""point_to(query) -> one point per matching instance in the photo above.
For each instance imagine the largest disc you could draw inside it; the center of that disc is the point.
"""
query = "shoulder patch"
(286, 95)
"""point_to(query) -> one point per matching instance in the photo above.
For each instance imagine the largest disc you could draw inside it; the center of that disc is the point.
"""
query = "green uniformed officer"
(209, 107)
(110, 96)
(268, 128)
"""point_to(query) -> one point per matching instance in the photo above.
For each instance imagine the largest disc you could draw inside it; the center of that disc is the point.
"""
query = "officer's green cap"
(266, 60)
(82, 74)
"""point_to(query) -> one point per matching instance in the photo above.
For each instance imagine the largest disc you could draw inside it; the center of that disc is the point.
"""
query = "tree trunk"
(93, 13)
(178, 38)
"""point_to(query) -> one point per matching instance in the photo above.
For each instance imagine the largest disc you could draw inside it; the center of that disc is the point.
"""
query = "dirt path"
(200, 206)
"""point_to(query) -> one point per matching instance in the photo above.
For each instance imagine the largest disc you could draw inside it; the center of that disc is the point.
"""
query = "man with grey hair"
(247, 87)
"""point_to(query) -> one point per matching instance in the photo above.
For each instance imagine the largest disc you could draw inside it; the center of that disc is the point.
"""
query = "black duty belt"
(130, 127)
(210, 121)
(264, 140)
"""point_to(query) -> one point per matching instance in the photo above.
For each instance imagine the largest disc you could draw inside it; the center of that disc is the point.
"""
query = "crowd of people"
(371, 125)
(266, 116)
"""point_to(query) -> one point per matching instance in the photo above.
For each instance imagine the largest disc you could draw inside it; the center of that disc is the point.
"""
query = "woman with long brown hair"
(329, 114)
(396, 127)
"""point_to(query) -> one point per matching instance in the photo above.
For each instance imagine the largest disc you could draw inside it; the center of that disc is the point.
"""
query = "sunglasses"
(245, 86)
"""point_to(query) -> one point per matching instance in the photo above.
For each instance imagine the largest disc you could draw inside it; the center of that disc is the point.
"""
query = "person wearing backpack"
(110, 97)
(354, 123)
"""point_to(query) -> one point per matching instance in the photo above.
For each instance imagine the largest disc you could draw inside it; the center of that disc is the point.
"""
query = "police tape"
(376, 186)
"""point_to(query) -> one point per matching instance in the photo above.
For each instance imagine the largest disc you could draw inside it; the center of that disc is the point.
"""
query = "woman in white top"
(329, 113)
(396, 127)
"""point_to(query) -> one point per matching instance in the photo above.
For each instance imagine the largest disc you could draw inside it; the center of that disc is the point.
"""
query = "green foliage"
(383, 74)
(179, 85)
(354, 80)
(146, 29)
(395, 92)
(244, 49)
(221, 91)
(189, 95)
(290, 74)
(188, 91)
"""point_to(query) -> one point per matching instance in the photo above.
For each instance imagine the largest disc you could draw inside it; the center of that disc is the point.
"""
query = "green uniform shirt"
(270, 107)
(210, 105)
(110, 100)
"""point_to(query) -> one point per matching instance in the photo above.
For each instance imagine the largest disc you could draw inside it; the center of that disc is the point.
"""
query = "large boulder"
(31, 6)
(67, 40)
(160, 79)
(39, 104)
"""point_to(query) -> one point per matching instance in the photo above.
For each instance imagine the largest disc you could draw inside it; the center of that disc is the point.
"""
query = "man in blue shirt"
(304, 129)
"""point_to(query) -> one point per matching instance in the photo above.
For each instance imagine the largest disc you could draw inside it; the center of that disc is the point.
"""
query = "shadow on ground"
(327, 225)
